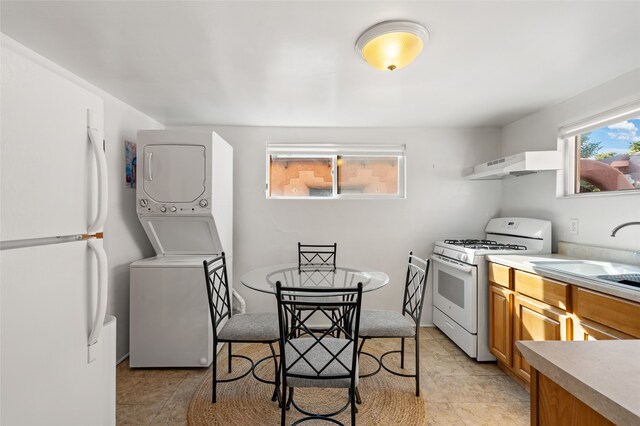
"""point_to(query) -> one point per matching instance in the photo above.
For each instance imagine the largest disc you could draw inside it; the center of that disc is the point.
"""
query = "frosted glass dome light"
(391, 45)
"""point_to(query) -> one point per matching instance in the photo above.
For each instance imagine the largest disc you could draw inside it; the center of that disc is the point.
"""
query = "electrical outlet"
(573, 226)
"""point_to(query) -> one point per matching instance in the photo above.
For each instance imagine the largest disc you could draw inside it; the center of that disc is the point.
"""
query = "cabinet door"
(535, 320)
(500, 311)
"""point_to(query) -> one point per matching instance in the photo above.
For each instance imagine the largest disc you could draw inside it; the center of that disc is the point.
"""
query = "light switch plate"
(573, 226)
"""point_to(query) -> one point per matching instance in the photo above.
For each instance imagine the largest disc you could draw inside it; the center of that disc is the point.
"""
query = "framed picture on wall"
(130, 164)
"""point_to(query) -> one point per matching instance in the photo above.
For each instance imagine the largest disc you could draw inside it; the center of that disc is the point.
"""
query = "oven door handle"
(454, 265)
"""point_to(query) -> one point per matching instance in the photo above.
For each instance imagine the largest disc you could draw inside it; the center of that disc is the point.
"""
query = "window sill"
(600, 194)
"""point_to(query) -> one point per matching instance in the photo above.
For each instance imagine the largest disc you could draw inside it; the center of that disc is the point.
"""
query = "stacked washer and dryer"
(185, 204)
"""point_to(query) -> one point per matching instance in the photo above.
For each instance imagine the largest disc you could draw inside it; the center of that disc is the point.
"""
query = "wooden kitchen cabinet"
(526, 306)
(553, 405)
(535, 320)
(500, 321)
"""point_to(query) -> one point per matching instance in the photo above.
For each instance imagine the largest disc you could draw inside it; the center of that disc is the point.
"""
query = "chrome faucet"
(617, 228)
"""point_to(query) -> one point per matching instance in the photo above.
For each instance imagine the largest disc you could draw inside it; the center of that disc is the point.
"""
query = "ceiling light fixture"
(391, 45)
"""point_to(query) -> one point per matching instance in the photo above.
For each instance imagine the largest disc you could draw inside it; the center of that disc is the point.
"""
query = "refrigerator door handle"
(101, 162)
(102, 295)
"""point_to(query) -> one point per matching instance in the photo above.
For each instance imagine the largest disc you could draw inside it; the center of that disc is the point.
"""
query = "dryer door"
(174, 173)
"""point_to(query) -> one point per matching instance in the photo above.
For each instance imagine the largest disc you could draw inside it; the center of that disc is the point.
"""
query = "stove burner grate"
(485, 245)
(470, 242)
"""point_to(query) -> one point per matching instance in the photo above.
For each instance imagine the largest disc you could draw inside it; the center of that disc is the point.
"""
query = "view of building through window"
(609, 158)
(335, 171)
(367, 175)
(301, 177)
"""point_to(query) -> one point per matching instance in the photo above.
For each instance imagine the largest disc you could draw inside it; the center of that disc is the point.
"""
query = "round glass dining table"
(264, 279)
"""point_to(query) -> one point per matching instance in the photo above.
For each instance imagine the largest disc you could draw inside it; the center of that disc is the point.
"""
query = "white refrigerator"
(57, 345)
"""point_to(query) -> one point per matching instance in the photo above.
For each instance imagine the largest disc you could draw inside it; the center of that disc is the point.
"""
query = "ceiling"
(294, 63)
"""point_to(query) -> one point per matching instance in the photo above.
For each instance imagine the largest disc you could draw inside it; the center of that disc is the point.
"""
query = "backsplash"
(583, 251)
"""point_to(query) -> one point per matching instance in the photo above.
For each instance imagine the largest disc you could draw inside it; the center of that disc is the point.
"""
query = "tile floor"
(456, 390)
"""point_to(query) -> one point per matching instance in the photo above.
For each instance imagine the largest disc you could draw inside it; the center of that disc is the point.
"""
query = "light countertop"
(604, 374)
(523, 263)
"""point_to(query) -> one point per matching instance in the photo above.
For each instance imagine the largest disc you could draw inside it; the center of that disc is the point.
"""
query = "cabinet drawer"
(619, 314)
(589, 330)
(501, 275)
(549, 291)
(466, 341)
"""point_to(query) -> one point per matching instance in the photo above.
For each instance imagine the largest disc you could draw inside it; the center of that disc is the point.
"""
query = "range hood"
(520, 164)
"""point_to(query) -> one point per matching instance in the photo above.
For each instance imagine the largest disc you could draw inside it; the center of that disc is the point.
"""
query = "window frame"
(568, 178)
(334, 151)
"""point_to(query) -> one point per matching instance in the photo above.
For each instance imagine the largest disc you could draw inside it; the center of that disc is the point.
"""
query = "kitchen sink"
(627, 279)
(607, 272)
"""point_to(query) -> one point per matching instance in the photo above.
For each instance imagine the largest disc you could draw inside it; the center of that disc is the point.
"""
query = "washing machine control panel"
(147, 207)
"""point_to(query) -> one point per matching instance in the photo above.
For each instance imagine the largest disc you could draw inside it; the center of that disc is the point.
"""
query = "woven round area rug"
(387, 399)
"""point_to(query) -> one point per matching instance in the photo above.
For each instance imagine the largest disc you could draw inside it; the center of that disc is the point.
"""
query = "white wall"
(124, 239)
(534, 195)
(376, 233)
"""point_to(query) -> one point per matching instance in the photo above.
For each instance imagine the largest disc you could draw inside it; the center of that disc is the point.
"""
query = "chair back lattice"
(415, 285)
(291, 277)
(215, 274)
(317, 256)
(340, 308)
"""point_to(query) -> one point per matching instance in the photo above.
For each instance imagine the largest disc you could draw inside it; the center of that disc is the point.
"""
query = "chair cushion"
(258, 327)
(386, 324)
(318, 357)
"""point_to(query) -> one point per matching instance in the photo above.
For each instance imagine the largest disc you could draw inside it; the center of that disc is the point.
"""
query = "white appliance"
(185, 204)
(520, 164)
(460, 280)
(58, 347)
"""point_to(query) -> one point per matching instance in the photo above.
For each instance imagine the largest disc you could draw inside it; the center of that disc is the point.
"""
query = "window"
(603, 153)
(608, 158)
(335, 171)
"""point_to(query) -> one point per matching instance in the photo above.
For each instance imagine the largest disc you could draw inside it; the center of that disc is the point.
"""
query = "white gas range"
(460, 278)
